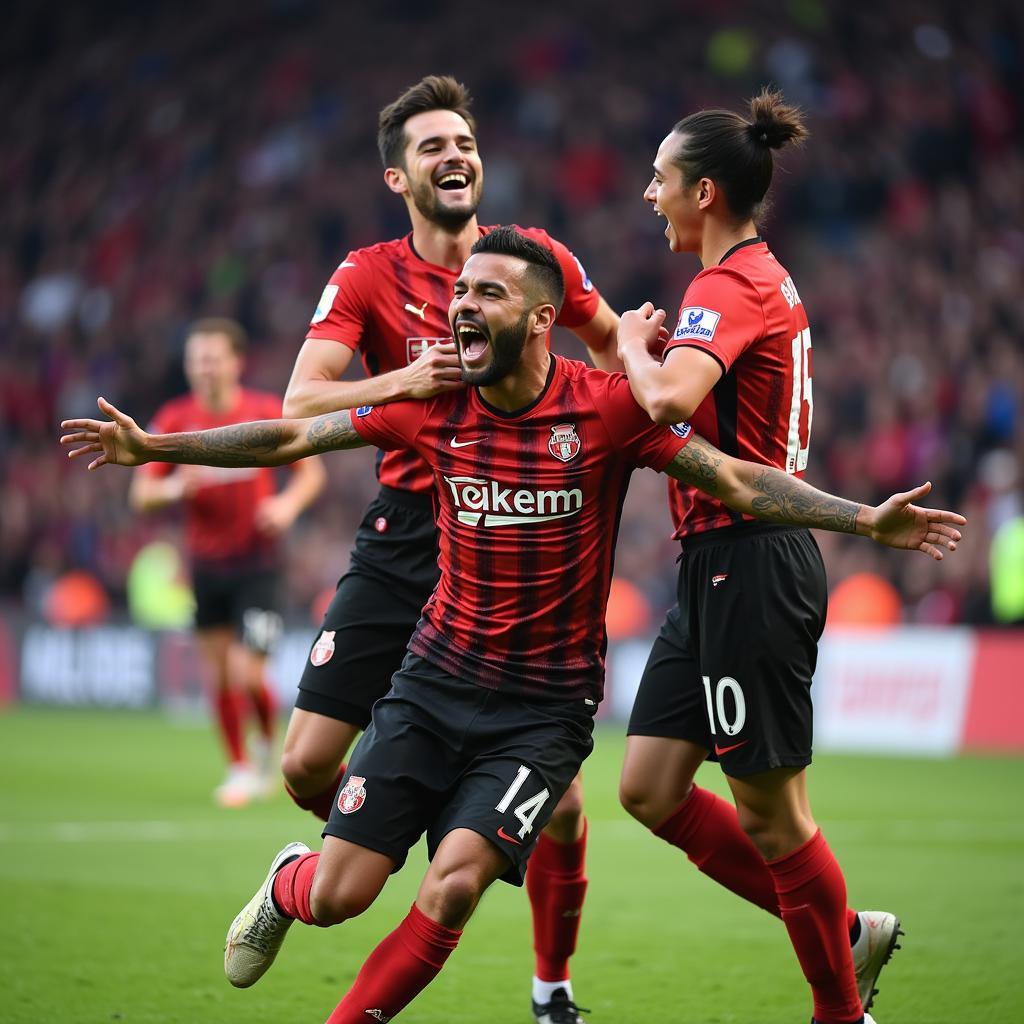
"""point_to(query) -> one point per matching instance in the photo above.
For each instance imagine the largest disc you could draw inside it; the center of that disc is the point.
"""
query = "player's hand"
(274, 515)
(120, 441)
(898, 523)
(436, 369)
(642, 330)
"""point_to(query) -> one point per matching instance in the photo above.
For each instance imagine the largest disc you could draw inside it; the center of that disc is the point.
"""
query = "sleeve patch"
(323, 307)
(364, 410)
(696, 322)
(681, 430)
(587, 283)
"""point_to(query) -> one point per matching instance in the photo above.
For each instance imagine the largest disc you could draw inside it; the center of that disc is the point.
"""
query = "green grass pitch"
(118, 878)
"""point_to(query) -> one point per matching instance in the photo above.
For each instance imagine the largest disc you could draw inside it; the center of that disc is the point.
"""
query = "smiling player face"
(442, 168)
(490, 317)
(671, 199)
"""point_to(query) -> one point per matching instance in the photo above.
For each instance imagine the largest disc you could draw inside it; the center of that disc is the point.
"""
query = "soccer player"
(730, 672)
(234, 522)
(390, 302)
(490, 716)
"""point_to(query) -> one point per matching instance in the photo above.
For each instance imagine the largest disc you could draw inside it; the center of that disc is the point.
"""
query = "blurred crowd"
(163, 162)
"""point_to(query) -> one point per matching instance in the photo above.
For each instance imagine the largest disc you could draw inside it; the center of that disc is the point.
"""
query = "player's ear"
(544, 318)
(394, 178)
(706, 193)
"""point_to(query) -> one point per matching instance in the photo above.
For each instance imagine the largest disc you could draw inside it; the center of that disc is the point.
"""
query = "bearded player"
(490, 717)
(389, 303)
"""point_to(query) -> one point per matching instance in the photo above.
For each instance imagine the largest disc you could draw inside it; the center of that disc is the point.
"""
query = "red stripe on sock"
(556, 885)
(812, 897)
(404, 963)
(265, 709)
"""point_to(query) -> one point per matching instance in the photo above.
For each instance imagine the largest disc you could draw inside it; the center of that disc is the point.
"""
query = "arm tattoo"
(785, 499)
(333, 431)
(244, 444)
(697, 465)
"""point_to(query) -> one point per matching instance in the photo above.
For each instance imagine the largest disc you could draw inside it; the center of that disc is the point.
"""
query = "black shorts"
(241, 596)
(442, 754)
(374, 611)
(731, 668)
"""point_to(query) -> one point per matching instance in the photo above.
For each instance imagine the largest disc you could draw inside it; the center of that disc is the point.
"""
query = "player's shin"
(401, 966)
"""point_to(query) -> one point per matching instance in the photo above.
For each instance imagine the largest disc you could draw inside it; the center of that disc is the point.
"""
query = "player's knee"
(639, 801)
(331, 903)
(566, 820)
(452, 897)
(305, 772)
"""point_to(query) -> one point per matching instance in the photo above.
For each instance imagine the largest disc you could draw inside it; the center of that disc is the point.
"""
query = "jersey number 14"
(796, 453)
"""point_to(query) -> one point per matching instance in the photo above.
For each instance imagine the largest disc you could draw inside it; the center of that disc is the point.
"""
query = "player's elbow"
(666, 409)
(295, 405)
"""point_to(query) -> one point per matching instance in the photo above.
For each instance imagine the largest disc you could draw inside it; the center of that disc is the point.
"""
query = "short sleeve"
(392, 426)
(721, 314)
(343, 309)
(633, 432)
(581, 297)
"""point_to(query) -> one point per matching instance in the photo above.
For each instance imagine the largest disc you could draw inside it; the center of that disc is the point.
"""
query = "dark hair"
(222, 325)
(435, 92)
(545, 271)
(736, 153)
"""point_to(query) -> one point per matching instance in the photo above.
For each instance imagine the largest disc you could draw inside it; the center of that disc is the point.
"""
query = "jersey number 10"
(796, 454)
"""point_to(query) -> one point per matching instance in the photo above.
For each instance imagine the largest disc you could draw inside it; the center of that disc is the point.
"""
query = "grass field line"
(935, 831)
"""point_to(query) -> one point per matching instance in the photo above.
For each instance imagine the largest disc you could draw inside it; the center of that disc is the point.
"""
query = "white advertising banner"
(900, 691)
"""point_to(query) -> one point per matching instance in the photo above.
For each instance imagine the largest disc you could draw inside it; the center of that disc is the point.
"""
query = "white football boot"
(879, 937)
(238, 788)
(257, 932)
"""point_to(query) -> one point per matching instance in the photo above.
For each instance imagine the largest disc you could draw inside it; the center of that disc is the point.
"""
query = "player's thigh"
(361, 645)
(348, 879)
(315, 744)
(463, 866)
(407, 763)
(567, 821)
(526, 756)
(756, 634)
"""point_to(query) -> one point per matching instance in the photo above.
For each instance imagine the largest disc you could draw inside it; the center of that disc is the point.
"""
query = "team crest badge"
(564, 442)
(323, 649)
(352, 796)
(415, 347)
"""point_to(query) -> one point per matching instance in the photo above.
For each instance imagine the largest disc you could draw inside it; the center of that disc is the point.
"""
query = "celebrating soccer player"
(390, 302)
(490, 716)
(234, 525)
(730, 672)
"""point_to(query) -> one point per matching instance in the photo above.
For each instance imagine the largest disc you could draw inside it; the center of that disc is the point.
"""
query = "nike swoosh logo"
(502, 834)
(464, 444)
(725, 750)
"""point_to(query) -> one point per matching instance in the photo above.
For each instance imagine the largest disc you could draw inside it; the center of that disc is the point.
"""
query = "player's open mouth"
(452, 181)
(472, 341)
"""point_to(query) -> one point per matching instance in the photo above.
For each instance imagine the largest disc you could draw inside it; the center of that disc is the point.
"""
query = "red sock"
(321, 804)
(404, 963)
(812, 897)
(229, 720)
(292, 885)
(556, 886)
(265, 707)
(707, 829)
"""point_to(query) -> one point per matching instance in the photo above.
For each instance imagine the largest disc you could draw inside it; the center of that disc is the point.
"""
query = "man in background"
(234, 521)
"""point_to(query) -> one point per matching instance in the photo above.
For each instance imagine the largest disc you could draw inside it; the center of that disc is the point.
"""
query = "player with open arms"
(235, 522)
(490, 717)
(730, 672)
(390, 302)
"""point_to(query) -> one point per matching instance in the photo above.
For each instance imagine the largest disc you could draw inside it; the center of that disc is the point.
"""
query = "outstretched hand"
(898, 523)
(119, 440)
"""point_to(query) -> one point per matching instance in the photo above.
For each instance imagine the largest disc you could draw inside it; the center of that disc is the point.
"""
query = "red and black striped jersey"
(220, 516)
(389, 304)
(528, 511)
(747, 314)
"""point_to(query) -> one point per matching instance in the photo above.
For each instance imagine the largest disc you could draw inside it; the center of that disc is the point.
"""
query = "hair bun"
(773, 122)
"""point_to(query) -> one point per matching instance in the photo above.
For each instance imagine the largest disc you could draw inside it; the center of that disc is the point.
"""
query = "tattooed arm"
(771, 494)
(120, 441)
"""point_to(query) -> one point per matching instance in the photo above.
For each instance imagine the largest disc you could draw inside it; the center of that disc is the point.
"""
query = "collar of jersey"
(517, 413)
(740, 245)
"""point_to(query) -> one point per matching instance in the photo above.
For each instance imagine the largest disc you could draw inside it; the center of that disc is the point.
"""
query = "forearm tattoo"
(697, 464)
(785, 499)
(243, 444)
(333, 431)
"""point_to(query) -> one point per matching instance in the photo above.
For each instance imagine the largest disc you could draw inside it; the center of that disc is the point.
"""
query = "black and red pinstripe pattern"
(520, 604)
